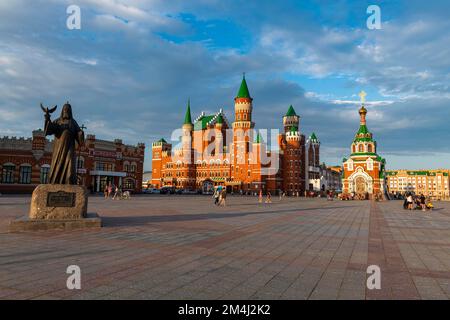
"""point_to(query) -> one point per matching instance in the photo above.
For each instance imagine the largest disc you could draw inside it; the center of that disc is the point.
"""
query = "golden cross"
(362, 95)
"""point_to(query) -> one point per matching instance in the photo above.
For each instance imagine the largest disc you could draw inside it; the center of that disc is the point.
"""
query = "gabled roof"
(202, 121)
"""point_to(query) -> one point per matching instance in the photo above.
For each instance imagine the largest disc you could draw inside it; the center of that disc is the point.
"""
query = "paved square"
(183, 247)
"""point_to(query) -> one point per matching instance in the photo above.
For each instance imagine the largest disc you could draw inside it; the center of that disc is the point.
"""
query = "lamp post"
(79, 154)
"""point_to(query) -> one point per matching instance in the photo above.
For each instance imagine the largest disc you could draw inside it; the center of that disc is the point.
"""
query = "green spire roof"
(258, 138)
(187, 117)
(294, 129)
(363, 134)
(162, 140)
(313, 138)
(290, 112)
(243, 90)
(363, 129)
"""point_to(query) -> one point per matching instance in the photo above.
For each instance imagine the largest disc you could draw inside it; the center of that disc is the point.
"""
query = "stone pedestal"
(59, 201)
(57, 206)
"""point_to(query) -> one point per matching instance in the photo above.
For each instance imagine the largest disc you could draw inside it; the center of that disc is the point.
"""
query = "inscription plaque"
(61, 199)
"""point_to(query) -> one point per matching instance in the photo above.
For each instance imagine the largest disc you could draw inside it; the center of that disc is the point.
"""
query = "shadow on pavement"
(143, 220)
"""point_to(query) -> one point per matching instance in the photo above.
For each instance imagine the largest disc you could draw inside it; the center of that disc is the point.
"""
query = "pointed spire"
(258, 138)
(291, 111)
(313, 138)
(243, 90)
(187, 117)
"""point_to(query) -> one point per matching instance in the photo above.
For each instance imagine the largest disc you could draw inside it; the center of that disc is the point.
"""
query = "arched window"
(369, 148)
(25, 174)
(8, 173)
(360, 148)
(44, 173)
(354, 148)
(126, 166)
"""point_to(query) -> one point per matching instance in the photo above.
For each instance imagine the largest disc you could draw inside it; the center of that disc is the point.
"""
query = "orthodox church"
(364, 170)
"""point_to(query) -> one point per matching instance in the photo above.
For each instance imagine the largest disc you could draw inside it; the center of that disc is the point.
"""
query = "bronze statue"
(67, 133)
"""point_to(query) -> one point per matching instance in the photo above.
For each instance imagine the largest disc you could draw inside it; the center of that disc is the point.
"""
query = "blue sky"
(131, 68)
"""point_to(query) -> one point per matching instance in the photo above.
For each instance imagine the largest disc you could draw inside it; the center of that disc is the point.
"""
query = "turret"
(187, 124)
(243, 107)
(186, 139)
(313, 150)
(291, 120)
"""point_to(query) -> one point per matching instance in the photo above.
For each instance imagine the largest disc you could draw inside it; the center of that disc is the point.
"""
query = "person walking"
(409, 200)
(116, 193)
(109, 190)
(223, 196)
(216, 196)
(260, 197)
(422, 202)
(269, 197)
(105, 192)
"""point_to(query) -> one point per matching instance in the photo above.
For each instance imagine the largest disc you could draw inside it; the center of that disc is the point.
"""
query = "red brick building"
(25, 163)
(214, 151)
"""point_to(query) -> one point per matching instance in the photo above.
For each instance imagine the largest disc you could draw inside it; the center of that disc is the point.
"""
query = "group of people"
(220, 195)
(360, 196)
(268, 197)
(116, 192)
(421, 202)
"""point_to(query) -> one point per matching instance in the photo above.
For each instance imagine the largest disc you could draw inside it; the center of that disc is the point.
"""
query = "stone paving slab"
(184, 247)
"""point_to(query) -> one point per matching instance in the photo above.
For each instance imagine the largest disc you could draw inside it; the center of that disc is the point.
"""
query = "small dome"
(362, 110)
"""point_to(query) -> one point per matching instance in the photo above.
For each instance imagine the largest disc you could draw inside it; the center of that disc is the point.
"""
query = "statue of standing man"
(67, 133)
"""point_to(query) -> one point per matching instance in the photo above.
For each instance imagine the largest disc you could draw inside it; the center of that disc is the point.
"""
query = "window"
(128, 184)
(44, 173)
(360, 148)
(25, 174)
(80, 163)
(350, 165)
(369, 148)
(8, 173)
(104, 166)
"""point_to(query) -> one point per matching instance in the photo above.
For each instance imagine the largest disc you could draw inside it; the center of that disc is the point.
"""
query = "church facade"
(217, 151)
(364, 170)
